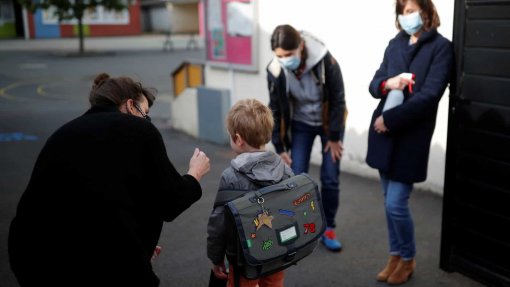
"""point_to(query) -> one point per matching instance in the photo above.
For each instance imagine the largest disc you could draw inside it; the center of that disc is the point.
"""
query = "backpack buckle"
(291, 185)
(290, 256)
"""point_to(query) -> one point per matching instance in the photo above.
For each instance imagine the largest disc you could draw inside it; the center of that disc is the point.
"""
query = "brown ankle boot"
(389, 268)
(402, 273)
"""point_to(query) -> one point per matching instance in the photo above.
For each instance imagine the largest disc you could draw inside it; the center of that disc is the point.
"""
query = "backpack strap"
(319, 77)
(226, 195)
(286, 184)
(291, 252)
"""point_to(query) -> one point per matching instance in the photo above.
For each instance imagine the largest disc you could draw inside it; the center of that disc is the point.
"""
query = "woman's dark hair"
(285, 37)
(108, 91)
(428, 13)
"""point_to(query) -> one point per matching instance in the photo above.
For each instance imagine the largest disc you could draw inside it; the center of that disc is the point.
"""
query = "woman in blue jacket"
(399, 138)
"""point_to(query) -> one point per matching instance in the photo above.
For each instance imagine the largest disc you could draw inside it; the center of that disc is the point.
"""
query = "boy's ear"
(238, 140)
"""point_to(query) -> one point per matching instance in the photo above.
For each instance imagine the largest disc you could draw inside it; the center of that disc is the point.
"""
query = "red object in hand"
(383, 90)
(410, 76)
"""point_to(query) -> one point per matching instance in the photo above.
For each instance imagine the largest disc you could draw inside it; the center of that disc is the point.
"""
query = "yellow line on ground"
(40, 91)
(5, 95)
(13, 85)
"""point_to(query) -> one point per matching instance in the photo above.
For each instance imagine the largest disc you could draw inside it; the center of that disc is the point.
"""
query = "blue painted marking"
(286, 212)
(16, 137)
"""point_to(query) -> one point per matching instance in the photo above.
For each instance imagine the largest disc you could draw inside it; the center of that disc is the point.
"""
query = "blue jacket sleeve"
(380, 75)
(424, 102)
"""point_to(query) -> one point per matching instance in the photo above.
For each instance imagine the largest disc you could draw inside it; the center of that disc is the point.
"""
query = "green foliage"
(71, 9)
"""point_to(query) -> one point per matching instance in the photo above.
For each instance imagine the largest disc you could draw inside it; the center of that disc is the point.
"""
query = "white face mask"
(411, 23)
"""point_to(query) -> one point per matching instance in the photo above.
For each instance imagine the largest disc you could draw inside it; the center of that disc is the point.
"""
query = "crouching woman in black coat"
(101, 188)
(418, 65)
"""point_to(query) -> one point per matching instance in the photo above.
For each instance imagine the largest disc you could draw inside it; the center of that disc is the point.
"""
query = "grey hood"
(264, 167)
(315, 48)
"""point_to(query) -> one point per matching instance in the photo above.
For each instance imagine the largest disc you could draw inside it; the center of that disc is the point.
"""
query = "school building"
(175, 16)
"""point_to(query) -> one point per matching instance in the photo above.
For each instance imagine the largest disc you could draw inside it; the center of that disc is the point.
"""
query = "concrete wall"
(185, 112)
(356, 33)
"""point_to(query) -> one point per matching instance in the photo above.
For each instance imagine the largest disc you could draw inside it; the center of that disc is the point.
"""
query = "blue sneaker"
(329, 240)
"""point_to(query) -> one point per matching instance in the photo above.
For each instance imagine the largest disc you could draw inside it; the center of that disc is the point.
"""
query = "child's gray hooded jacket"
(248, 171)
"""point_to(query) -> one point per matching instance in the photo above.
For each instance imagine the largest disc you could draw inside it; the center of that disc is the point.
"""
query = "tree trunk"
(80, 34)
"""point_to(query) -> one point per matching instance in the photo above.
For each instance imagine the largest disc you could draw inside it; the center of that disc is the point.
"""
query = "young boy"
(250, 124)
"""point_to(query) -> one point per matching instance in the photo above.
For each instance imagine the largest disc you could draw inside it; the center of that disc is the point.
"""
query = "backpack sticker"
(264, 219)
(309, 228)
(302, 199)
(267, 244)
(286, 212)
(312, 205)
(287, 235)
(248, 243)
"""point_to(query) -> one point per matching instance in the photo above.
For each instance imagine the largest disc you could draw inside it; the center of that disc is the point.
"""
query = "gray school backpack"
(273, 227)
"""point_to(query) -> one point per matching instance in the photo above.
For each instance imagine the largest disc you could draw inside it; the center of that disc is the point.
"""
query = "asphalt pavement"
(361, 228)
(183, 261)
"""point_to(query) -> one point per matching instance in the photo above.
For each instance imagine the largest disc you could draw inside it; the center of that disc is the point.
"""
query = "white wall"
(184, 112)
(356, 33)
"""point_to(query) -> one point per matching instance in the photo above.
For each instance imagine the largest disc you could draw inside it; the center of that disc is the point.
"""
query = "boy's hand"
(286, 158)
(220, 271)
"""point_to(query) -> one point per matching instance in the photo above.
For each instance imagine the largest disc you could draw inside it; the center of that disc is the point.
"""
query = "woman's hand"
(286, 158)
(399, 82)
(198, 164)
(336, 148)
(379, 125)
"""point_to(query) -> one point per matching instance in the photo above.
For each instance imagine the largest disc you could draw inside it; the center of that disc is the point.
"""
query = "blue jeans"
(398, 217)
(303, 136)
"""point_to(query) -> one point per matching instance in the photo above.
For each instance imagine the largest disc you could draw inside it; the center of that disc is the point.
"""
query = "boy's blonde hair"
(252, 120)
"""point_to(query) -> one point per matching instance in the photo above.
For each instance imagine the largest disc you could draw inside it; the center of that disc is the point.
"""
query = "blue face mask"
(291, 62)
(411, 23)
